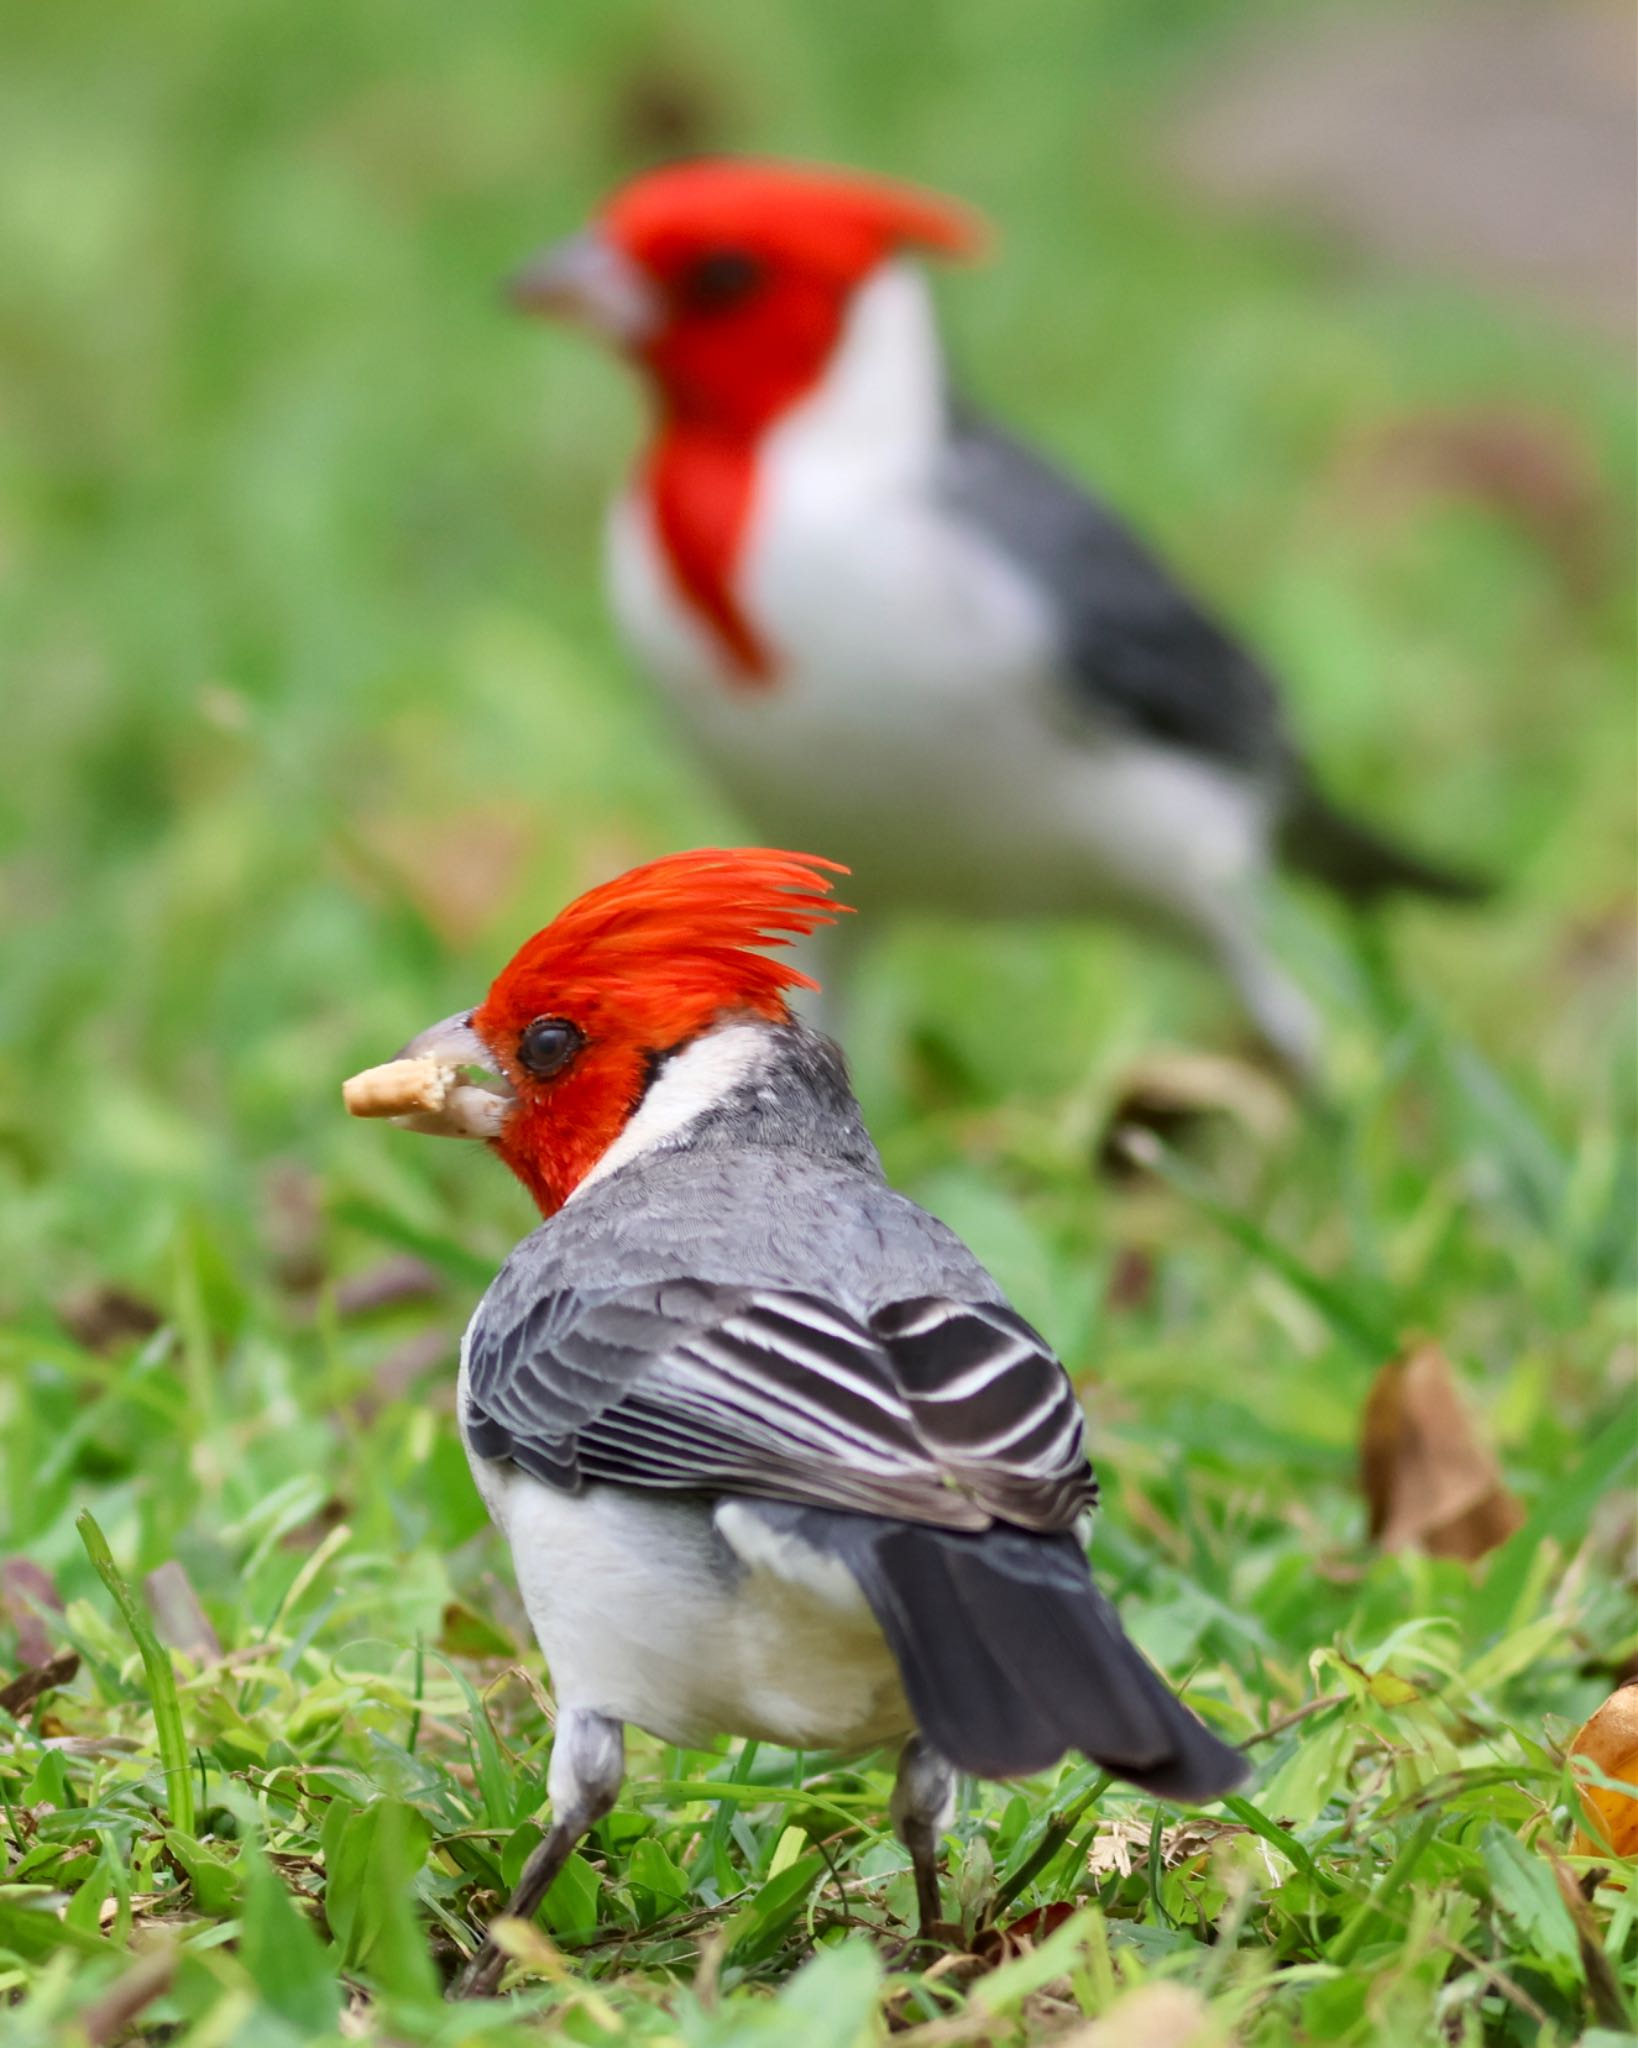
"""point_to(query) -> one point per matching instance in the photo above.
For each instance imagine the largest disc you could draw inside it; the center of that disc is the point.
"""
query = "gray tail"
(1360, 863)
(1010, 1657)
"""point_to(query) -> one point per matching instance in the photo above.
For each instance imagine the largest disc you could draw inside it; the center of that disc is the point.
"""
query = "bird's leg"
(1282, 1016)
(923, 1806)
(583, 1782)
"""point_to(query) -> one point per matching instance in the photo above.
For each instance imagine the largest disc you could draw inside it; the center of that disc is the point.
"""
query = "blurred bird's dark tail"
(1361, 864)
(1010, 1657)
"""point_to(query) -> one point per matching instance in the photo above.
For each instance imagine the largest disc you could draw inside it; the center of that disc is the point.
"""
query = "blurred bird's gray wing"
(1137, 649)
(934, 1411)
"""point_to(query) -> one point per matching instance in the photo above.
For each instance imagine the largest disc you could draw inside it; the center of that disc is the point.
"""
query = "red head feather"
(750, 266)
(638, 967)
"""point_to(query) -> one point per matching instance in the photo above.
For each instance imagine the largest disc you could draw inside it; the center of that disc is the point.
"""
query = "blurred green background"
(312, 708)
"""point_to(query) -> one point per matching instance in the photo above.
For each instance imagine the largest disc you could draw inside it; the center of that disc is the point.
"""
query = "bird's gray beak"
(452, 1042)
(426, 1088)
(470, 1109)
(587, 280)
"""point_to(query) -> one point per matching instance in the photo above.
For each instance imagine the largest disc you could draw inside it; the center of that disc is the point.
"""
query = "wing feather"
(1137, 649)
(949, 1413)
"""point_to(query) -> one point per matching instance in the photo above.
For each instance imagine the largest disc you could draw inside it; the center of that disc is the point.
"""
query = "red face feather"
(753, 264)
(638, 967)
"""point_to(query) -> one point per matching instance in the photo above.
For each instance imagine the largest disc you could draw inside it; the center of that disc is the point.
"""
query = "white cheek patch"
(690, 1084)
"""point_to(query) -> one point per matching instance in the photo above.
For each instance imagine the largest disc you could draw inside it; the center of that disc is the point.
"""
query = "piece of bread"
(400, 1088)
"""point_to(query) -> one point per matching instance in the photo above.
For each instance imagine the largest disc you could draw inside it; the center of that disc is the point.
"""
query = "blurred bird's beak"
(589, 281)
(425, 1087)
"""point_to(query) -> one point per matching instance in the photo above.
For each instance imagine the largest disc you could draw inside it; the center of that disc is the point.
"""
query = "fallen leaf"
(109, 2016)
(310, 1534)
(1530, 470)
(179, 1619)
(997, 1945)
(1610, 1740)
(1131, 1280)
(293, 1226)
(27, 1595)
(1123, 1844)
(104, 1317)
(1430, 1482)
(1172, 1095)
(21, 1692)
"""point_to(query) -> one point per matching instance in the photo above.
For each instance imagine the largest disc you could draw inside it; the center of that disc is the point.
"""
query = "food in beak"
(400, 1088)
(429, 1095)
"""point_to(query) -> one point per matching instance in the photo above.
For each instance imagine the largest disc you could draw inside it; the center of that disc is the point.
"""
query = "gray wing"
(948, 1413)
(1137, 647)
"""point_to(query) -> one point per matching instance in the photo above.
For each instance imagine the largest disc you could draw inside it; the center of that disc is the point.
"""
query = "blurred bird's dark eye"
(548, 1045)
(720, 279)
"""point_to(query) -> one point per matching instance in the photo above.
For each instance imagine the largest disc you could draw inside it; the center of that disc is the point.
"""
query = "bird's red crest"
(841, 221)
(638, 967)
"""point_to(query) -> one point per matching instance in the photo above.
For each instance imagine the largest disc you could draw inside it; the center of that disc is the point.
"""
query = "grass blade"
(162, 1695)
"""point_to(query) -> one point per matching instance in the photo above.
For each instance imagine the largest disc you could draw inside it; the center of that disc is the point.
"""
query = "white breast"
(917, 728)
(652, 1610)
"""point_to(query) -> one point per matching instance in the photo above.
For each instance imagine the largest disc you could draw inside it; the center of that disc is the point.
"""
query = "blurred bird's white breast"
(916, 723)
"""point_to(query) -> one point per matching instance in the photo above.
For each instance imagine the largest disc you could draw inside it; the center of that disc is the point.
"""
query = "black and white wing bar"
(940, 1412)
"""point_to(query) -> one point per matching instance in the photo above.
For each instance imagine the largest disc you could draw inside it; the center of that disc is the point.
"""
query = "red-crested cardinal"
(773, 1455)
(895, 631)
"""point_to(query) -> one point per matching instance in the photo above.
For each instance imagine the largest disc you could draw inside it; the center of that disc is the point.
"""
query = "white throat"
(689, 1086)
(880, 403)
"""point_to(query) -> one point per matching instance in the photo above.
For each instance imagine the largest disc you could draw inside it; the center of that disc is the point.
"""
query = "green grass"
(311, 711)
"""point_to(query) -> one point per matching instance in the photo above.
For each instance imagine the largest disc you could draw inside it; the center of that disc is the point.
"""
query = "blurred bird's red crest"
(841, 222)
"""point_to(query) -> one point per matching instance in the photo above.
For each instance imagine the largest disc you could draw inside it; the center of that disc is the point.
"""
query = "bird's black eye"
(547, 1046)
(719, 279)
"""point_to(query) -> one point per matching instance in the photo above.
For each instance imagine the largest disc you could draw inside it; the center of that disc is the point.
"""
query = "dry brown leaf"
(1171, 1095)
(1610, 1740)
(27, 1596)
(1123, 1844)
(20, 1693)
(1131, 1280)
(994, 1946)
(1429, 1480)
(109, 2016)
(179, 1618)
(293, 1225)
(104, 1316)
(1530, 469)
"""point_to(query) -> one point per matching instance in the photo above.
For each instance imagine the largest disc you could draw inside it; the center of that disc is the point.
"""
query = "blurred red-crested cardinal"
(895, 631)
(772, 1453)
